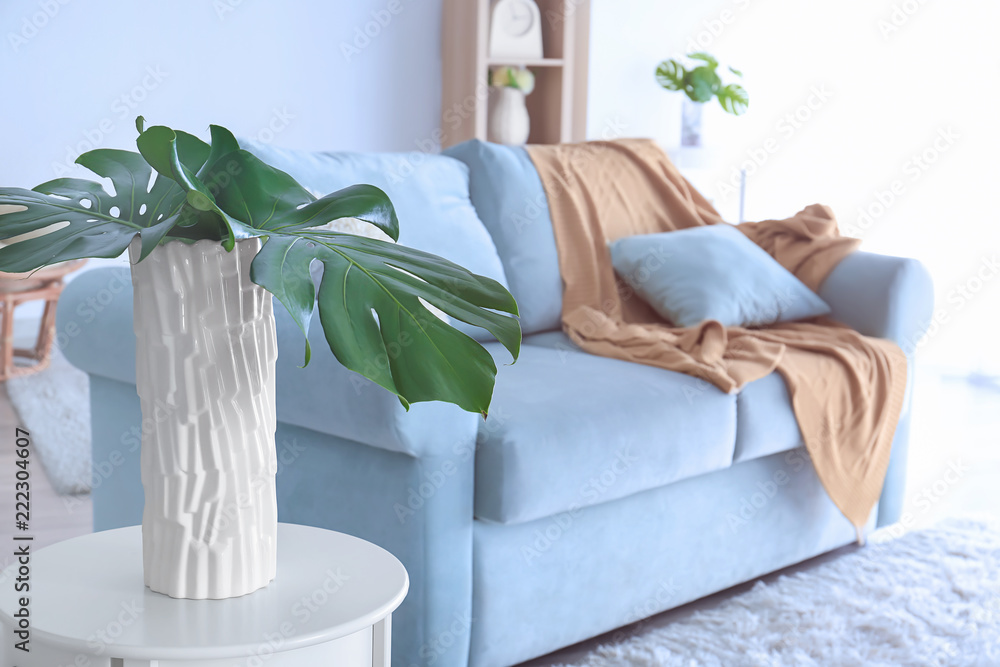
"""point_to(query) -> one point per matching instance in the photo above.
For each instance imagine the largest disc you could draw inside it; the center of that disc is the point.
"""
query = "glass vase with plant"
(700, 82)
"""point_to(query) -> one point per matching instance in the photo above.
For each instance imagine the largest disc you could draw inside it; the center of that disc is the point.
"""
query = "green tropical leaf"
(157, 145)
(374, 298)
(282, 268)
(705, 58)
(162, 148)
(223, 143)
(734, 99)
(670, 75)
(702, 83)
(371, 308)
(266, 198)
(93, 223)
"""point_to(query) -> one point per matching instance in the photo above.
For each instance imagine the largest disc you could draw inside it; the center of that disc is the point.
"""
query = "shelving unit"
(544, 62)
(558, 105)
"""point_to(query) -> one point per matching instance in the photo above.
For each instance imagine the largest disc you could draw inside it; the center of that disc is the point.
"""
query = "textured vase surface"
(509, 122)
(205, 353)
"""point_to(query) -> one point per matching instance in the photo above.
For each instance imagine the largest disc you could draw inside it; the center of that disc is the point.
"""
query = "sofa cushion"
(430, 193)
(765, 422)
(511, 202)
(568, 430)
(712, 272)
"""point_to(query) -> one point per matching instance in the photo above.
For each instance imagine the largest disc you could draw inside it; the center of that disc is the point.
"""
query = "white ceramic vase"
(205, 353)
(509, 122)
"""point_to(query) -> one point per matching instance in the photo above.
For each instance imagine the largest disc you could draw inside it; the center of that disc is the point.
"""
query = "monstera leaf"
(702, 82)
(706, 58)
(670, 75)
(86, 220)
(734, 99)
(373, 297)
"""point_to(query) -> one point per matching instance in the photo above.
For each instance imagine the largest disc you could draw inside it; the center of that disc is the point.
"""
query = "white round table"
(331, 603)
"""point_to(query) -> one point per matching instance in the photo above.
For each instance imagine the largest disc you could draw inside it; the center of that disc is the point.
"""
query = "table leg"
(381, 640)
(43, 346)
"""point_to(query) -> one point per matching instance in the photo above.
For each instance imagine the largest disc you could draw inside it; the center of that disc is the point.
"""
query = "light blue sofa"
(597, 493)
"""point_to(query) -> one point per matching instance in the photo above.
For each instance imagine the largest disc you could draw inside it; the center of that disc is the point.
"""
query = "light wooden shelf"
(558, 105)
(512, 62)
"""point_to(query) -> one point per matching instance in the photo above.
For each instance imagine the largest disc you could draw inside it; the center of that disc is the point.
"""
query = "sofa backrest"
(430, 194)
(511, 202)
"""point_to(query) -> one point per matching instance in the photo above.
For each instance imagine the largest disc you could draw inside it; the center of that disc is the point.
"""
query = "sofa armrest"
(892, 298)
(881, 296)
(94, 330)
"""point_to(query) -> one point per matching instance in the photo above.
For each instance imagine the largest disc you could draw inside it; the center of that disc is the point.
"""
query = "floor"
(53, 518)
(956, 427)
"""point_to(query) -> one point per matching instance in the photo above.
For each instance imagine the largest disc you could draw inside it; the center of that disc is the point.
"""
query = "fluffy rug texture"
(54, 406)
(930, 597)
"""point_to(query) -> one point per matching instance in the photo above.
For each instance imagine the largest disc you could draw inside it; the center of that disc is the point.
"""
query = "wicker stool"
(17, 288)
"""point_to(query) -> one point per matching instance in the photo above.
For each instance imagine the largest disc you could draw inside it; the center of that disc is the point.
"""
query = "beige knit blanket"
(846, 389)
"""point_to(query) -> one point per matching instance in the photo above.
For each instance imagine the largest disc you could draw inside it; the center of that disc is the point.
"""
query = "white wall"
(74, 74)
(628, 39)
(898, 77)
(79, 80)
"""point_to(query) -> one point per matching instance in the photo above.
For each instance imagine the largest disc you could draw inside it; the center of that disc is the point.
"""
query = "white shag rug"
(928, 598)
(54, 405)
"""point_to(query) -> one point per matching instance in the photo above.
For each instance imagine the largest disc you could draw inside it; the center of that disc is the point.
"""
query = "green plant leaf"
(94, 222)
(266, 198)
(156, 146)
(372, 311)
(702, 83)
(734, 99)
(670, 75)
(364, 202)
(151, 236)
(374, 296)
(705, 58)
(736, 71)
(223, 143)
(282, 268)
(162, 148)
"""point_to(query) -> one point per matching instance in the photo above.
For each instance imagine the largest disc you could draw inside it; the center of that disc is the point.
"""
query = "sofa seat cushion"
(765, 422)
(568, 430)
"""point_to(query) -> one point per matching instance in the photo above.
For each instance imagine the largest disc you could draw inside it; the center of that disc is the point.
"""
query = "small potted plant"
(699, 80)
(509, 120)
(212, 233)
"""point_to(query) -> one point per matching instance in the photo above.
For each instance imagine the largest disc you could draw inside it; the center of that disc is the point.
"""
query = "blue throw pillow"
(712, 273)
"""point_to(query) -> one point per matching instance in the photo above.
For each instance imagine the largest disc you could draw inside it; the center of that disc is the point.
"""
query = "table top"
(87, 593)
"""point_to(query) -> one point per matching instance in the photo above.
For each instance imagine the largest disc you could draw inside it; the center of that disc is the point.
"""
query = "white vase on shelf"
(509, 122)
(205, 362)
